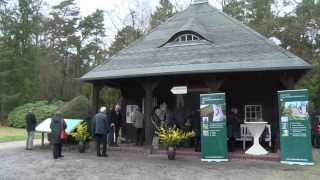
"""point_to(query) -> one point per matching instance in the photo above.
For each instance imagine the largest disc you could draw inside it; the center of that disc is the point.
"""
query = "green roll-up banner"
(295, 130)
(213, 127)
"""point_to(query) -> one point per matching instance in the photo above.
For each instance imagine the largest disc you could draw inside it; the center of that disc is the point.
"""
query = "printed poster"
(295, 129)
(213, 127)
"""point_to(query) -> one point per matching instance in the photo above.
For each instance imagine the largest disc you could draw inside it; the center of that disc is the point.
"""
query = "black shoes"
(58, 157)
(103, 155)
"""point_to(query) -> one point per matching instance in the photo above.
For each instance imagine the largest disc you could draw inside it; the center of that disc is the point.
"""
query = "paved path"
(17, 163)
(18, 144)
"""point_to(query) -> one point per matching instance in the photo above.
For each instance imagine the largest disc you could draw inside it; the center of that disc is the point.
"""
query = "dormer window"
(187, 37)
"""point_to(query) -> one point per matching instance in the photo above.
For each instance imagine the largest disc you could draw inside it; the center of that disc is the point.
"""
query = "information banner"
(213, 127)
(295, 130)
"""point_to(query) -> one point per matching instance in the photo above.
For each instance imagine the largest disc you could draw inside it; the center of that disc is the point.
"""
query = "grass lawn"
(13, 134)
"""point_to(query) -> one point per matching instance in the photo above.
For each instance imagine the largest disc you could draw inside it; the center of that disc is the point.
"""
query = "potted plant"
(171, 137)
(82, 136)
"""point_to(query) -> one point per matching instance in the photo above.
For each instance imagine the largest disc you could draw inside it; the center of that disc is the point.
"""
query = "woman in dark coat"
(57, 125)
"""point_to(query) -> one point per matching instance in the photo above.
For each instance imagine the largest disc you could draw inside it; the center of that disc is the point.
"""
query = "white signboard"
(179, 90)
(44, 126)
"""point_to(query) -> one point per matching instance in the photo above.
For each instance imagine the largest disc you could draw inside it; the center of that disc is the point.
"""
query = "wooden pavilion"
(207, 51)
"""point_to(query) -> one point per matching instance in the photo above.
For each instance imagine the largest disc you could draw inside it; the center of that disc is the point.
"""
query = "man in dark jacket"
(31, 123)
(116, 123)
(100, 129)
(110, 137)
(233, 128)
(57, 125)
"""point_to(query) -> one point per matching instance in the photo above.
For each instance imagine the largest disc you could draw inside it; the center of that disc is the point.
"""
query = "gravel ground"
(17, 163)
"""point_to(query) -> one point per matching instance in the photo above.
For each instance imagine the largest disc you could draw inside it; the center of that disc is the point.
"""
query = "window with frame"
(187, 37)
(253, 113)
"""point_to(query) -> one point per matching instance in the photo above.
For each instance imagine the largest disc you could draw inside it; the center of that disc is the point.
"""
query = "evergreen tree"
(124, 37)
(255, 13)
(92, 39)
(63, 44)
(306, 43)
(19, 53)
(298, 32)
(162, 13)
(76, 45)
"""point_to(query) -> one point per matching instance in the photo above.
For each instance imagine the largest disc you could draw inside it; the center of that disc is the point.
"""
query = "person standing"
(138, 124)
(58, 127)
(156, 122)
(31, 123)
(100, 129)
(110, 135)
(233, 128)
(116, 123)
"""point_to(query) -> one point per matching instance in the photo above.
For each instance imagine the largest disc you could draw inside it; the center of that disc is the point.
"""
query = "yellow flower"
(173, 136)
(81, 133)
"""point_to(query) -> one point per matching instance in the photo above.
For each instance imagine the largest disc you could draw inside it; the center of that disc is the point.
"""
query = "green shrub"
(42, 110)
(77, 108)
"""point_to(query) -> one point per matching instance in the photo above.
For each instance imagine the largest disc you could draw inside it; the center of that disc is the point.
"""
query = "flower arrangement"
(81, 134)
(171, 137)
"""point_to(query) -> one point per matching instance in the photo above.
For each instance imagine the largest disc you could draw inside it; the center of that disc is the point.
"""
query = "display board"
(213, 127)
(44, 126)
(295, 130)
(130, 109)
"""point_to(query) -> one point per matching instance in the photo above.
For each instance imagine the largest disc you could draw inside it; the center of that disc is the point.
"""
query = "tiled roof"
(229, 46)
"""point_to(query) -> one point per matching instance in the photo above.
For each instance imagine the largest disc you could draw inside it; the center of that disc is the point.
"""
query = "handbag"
(63, 134)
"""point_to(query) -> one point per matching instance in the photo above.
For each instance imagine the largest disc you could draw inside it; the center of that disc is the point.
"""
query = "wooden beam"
(214, 83)
(148, 87)
(288, 82)
(95, 97)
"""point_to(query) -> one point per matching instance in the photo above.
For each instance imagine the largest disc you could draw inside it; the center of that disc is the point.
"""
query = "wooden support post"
(42, 139)
(95, 98)
(148, 86)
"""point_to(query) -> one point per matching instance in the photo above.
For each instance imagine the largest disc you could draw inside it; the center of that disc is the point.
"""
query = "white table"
(256, 129)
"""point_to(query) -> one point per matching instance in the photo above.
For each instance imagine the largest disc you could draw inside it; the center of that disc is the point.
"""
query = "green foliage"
(235, 9)
(298, 32)
(92, 29)
(312, 82)
(124, 37)
(81, 134)
(173, 136)
(77, 108)
(42, 110)
(19, 56)
(86, 89)
(110, 96)
(255, 13)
